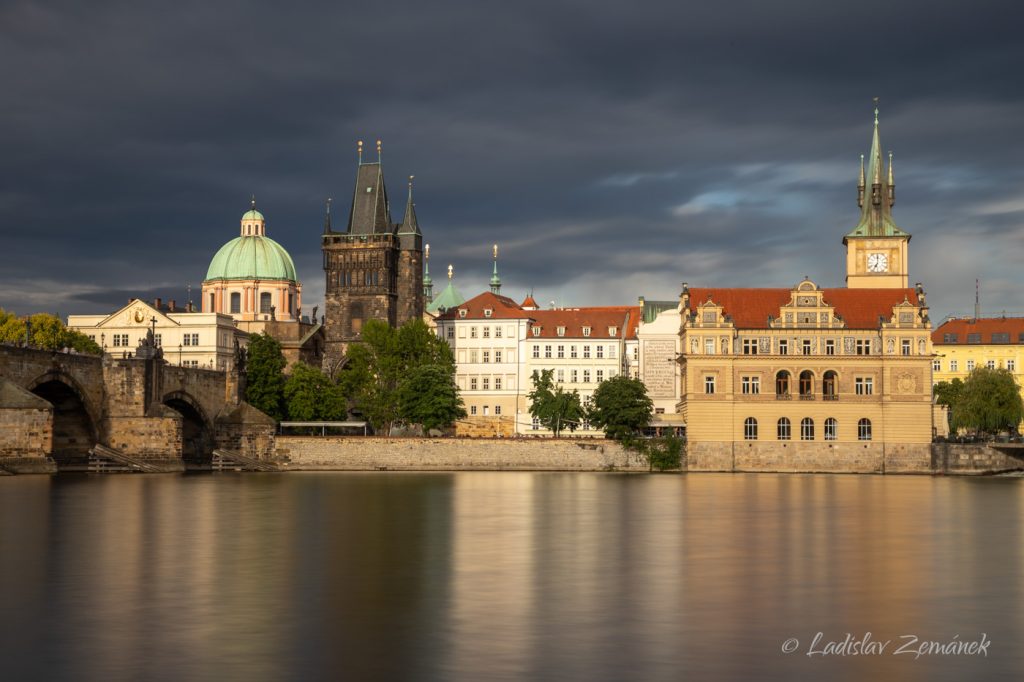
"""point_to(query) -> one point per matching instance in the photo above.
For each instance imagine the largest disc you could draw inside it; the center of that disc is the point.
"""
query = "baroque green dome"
(252, 257)
(252, 215)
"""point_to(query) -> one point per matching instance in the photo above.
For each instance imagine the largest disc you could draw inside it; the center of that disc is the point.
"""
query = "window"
(1010, 365)
(806, 347)
(472, 332)
(991, 364)
(158, 339)
(599, 350)
(830, 346)
(782, 384)
(485, 383)
(462, 312)
(936, 365)
(806, 385)
(974, 338)
(473, 355)
(586, 352)
(536, 331)
(1000, 337)
(497, 356)
(750, 429)
(574, 376)
(472, 410)
(864, 385)
(561, 375)
(828, 386)
(487, 313)
(806, 429)
(497, 408)
(561, 351)
(486, 356)
(709, 346)
(905, 347)
(212, 300)
(864, 429)
(236, 302)
(560, 331)
(783, 347)
(863, 346)
(265, 303)
(586, 331)
(472, 384)
(709, 385)
(547, 351)
(970, 365)
(953, 364)
(611, 352)
(636, 352)
(751, 385)
(536, 351)
(190, 340)
(586, 376)
(782, 429)
(487, 333)
(534, 424)
(600, 375)
(750, 346)
(612, 331)
(831, 428)
(949, 338)
(451, 331)
(572, 352)
(497, 335)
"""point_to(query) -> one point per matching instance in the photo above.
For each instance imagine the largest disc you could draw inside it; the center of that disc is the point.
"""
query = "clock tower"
(876, 250)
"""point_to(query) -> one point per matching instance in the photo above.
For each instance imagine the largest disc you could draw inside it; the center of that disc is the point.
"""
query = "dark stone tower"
(374, 269)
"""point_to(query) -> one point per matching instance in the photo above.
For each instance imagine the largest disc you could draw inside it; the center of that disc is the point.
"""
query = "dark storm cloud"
(612, 149)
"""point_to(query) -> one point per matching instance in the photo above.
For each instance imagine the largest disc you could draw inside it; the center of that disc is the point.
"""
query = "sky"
(611, 149)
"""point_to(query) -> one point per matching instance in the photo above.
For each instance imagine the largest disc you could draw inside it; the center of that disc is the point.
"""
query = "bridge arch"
(197, 441)
(75, 421)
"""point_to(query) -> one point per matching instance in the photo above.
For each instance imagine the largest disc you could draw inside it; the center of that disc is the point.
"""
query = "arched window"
(864, 429)
(831, 429)
(213, 300)
(806, 385)
(750, 429)
(806, 429)
(236, 302)
(784, 429)
(782, 385)
(265, 302)
(828, 386)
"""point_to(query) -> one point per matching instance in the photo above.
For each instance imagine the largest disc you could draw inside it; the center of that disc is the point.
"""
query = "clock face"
(877, 262)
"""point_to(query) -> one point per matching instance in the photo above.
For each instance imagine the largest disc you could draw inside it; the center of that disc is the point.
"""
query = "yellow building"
(811, 379)
(963, 344)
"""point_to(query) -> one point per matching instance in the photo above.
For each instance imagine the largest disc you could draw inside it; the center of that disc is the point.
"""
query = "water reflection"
(477, 576)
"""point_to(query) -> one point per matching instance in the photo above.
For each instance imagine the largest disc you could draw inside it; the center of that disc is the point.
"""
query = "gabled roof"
(501, 307)
(151, 311)
(529, 302)
(751, 308)
(624, 319)
(370, 211)
(985, 326)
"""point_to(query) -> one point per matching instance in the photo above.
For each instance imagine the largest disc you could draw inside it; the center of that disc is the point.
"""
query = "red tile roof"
(501, 307)
(985, 326)
(528, 302)
(750, 308)
(624, 318)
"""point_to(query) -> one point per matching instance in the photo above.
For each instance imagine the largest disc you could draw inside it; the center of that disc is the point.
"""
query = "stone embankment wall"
(964, 458)
(356, 453)
(809, 457)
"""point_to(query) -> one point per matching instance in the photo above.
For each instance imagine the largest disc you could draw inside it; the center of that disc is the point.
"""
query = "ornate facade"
(374, 267)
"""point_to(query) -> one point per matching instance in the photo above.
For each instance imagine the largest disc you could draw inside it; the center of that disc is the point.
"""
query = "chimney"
(156, 303)
(171, 307)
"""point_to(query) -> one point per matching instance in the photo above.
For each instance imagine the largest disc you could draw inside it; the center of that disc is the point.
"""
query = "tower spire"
(327, 217)
(876, 206)
(428, 282)
(861, 184)
(495, 280)
(409, 223)
(359, 151)
(891, 182)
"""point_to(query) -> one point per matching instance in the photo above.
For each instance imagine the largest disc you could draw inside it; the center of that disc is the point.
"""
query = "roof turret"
(876, 205)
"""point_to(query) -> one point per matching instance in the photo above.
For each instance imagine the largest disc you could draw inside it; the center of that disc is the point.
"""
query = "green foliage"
(429, 396)
(553, 406)
(47, 332)
(385, 359)
(621, 407)
(948, 393)
(989, 402)
(663, 453)
(265, 365)
(309, 395)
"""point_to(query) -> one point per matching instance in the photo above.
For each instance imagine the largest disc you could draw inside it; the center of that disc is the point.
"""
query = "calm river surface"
(505, 576)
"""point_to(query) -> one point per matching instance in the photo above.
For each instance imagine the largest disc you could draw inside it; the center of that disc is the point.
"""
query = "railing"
(233, 460)
(783, 396)
(806, 396)
(830, 396)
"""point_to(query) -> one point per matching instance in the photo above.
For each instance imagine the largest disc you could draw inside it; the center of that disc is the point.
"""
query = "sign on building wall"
(659, 369)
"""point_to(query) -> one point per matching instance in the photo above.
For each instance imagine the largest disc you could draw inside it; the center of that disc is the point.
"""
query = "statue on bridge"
(240, 357)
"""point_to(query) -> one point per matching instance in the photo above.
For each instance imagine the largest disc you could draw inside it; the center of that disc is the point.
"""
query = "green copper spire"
(495, 280)
(450, 297)
(428, 283)
(876, 201)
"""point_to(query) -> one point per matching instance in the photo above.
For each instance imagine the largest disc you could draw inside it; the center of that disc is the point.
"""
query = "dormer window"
(462, 312)
(560, 331)
(536, 331)
(487, 312)
(586, 331)
(613, 331)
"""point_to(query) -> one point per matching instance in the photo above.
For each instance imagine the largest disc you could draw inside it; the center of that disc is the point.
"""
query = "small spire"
(327, 217)
(253, 201)
(359, 149)
(428, 282)
(891, 183)
(378, 151)
(410, 187)
(876, 111)
(426, 254)
(860, 183)
(495, 280)
(451, 271)
(891, 180)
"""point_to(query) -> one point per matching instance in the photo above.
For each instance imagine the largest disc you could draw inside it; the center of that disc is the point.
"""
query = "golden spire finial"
(451, 271)
(359, 147)
(495, 252)
(378, 151)
(876, 111)
(891, 180)
(252, 201)
(426, 251)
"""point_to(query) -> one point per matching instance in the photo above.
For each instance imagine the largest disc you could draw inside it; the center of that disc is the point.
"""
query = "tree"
(265, 365)
(989, 402)
(44, 331)
(663, 453)
(429, 396)
(948, 393)
(554, 407)
(383, 360)
(12, 328)
(620, 406)
(309, 395)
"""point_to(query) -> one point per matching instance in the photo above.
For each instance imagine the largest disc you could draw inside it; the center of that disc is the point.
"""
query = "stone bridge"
(55, 407)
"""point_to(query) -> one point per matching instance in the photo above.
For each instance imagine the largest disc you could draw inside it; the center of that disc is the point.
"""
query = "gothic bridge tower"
(374, 267)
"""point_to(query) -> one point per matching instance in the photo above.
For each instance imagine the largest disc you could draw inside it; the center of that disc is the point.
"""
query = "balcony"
(830, 396)
(806, 396)
(783, 396)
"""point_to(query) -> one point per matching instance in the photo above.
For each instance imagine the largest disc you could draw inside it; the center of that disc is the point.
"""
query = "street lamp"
(103, 342)
(179, 355)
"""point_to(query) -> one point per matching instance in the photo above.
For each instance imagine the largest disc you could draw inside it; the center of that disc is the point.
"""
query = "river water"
(506, 576)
